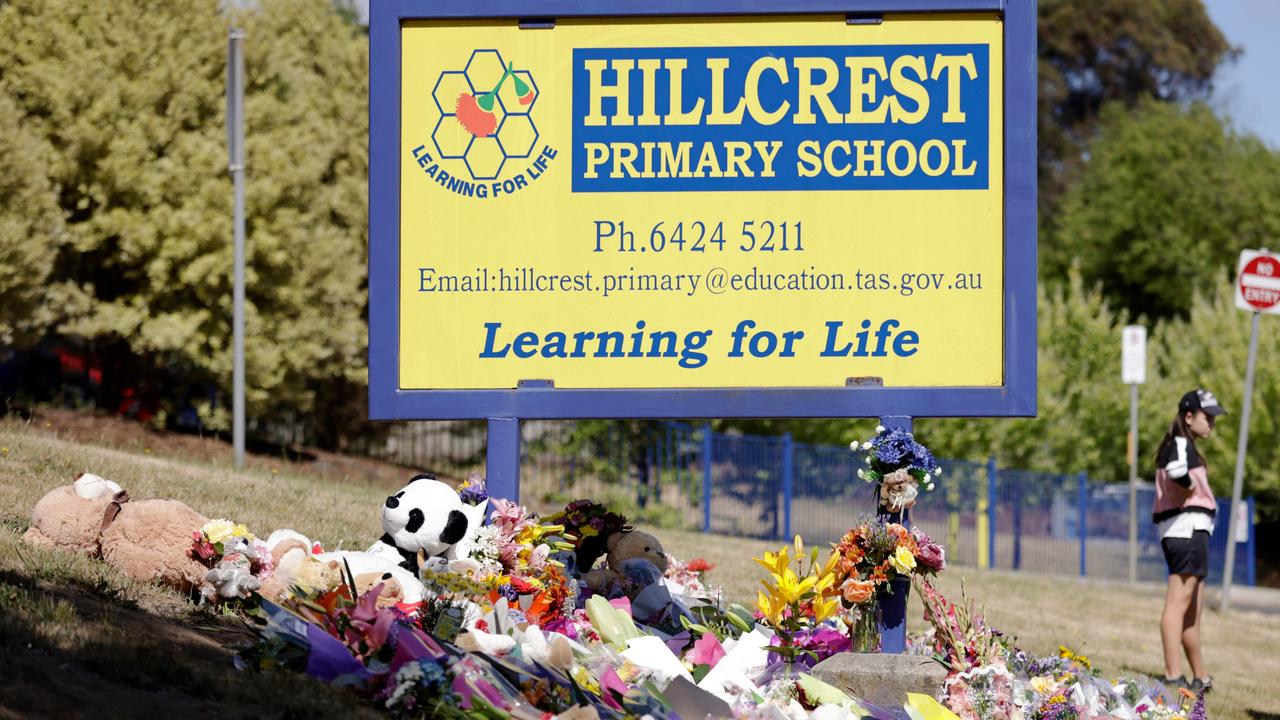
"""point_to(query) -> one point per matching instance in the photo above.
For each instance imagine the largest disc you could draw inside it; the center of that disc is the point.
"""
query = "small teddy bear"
(390, 594)
(232, 578)
(626, 564)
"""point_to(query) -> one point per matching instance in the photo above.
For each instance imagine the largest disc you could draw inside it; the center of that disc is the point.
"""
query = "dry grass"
(78, 613)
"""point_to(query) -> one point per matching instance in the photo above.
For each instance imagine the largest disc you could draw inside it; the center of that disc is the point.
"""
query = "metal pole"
(1237, 483)
(502, 459)
(707, 449)
(1082, 520)
(235, 143)
(788, 480)
(1133, 483)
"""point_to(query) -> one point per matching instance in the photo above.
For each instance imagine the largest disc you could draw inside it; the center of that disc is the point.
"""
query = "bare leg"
(1177, 601)
(1191, 628)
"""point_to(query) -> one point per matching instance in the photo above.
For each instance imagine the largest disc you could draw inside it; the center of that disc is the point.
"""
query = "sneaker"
(1201, 685)
(1176, 683)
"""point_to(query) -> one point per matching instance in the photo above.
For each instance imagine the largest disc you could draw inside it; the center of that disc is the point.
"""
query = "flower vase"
(865, 634)
(892, 601)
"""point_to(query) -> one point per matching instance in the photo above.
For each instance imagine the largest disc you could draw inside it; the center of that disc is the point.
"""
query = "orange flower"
(857, 591)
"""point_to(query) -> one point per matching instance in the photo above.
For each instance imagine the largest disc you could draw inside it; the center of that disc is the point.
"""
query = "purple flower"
(474, 495)
(1198, 712)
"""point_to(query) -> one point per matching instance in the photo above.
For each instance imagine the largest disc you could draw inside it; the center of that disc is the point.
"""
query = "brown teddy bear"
(145, 539)
(625, 546)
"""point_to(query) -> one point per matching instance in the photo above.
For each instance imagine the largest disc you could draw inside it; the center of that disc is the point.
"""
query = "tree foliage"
(1083, 407)
(1114, 51)
(30, 232)
(129, 99)
(1169, 198)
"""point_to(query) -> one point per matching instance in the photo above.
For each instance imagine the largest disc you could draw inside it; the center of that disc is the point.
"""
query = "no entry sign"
(1258, 282)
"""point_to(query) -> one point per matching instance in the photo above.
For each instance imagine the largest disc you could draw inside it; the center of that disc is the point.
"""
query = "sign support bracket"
(502, 459)
(893, 607)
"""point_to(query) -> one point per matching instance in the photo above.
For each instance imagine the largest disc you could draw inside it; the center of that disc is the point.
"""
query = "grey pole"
(1133, 482)
(235, 147)
(1237, 483)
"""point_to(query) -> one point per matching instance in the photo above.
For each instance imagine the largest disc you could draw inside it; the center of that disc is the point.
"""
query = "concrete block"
(882, 678)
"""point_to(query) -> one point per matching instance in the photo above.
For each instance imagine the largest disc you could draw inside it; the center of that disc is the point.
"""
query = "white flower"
(937, 472)
(866, 445)
(929, 487)
(879, 428)
(862, 474)
(853, 445)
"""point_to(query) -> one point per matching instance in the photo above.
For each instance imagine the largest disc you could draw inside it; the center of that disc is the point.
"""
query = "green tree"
(1083, 406)
(1169, 198)
(1113, 51)
(139, 155)
(30, 232)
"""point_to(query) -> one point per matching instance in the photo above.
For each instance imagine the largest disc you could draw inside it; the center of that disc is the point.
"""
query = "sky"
(1247, 90)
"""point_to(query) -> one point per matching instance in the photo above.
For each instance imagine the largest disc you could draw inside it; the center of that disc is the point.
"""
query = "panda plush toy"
(430, 517)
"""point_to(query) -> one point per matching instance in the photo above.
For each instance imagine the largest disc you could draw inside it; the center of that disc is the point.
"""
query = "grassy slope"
(120, 647)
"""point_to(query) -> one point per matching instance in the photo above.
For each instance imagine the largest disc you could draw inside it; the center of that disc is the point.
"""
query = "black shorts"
(1187, 556)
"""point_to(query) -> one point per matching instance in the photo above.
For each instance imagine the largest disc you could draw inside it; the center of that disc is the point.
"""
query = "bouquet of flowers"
(868, 558)
(899, 465)
(237, 560)
(690, 579)
(588, 524)
(796, 603)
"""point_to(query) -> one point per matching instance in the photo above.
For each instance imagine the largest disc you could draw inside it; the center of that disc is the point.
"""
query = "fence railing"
(689, 477)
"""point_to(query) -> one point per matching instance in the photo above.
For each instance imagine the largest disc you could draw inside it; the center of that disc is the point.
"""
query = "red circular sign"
(1260, 282)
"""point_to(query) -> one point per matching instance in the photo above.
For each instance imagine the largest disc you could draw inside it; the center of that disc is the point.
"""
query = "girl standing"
(1184, 513)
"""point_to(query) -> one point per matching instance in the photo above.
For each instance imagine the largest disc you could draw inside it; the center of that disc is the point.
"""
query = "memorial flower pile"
(898, 465)
(512, 631)
(990, 678)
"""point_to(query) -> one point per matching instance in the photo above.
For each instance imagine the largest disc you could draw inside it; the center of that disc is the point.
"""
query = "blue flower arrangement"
(898, 464)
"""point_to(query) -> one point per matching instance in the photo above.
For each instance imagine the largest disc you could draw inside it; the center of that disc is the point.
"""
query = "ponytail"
(1178, 428)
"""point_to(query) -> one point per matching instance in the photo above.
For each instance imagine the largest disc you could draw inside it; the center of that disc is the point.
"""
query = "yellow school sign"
(696, 203)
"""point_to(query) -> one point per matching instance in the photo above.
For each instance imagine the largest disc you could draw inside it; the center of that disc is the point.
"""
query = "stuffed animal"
(430, 517)
(631, 544)
(145, 539)
(635, 560)
(390, 593)
(232, 578)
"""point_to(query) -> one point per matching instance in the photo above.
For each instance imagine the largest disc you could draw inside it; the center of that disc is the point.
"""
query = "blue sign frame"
(1016, 398)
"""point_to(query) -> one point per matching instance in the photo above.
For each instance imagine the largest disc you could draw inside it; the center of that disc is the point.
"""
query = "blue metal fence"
(987, 516)
(772, 487)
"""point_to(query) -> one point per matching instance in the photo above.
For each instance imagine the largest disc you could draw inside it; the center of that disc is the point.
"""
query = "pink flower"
(930, 554)
(706, 651)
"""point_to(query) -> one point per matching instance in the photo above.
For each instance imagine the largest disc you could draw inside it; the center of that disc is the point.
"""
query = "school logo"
(486, 116)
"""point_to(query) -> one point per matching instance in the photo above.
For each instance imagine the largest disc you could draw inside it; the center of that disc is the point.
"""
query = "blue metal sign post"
(505, 408)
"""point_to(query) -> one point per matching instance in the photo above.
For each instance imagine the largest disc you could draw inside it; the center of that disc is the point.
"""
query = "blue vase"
(893, 615)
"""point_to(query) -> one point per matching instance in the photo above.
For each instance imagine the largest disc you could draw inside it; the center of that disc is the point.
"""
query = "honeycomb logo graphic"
(485, 114)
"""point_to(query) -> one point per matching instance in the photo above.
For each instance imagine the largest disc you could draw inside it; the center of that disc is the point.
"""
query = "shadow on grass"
(1262, 715)
(67, 654)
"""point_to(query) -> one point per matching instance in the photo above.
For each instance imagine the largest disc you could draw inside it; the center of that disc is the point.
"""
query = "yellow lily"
(790, 587)
(771, 610)
(824, 608)
(775, 563)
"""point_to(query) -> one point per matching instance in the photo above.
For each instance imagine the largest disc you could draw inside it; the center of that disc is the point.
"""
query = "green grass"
(124, 648)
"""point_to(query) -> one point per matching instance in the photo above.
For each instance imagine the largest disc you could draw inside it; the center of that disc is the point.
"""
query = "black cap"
(1200, 400)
